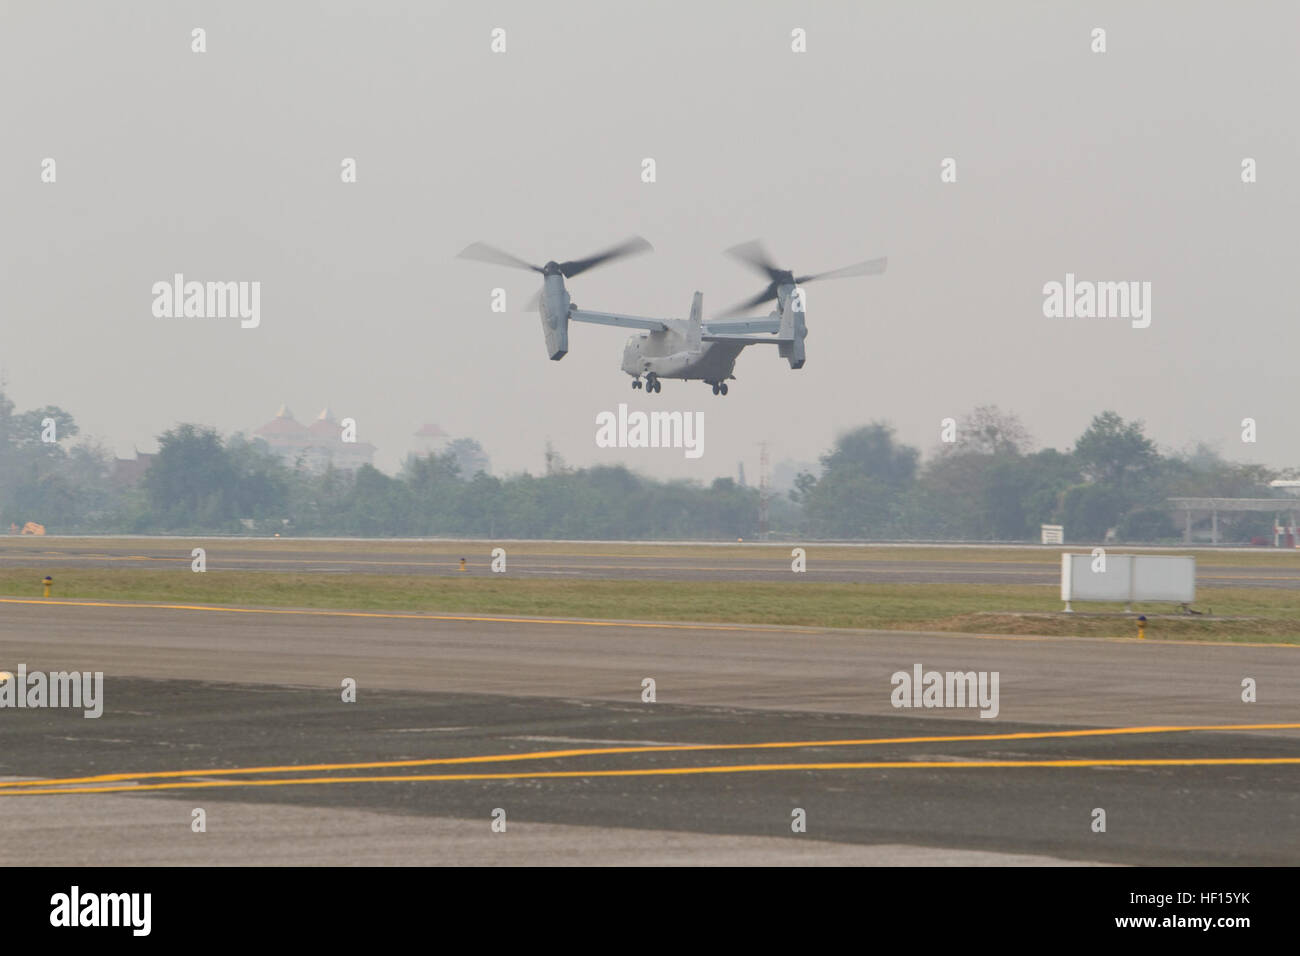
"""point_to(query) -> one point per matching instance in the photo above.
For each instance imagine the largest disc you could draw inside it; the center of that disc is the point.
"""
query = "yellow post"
(1142, 627)
(48, 583)
(462, 564)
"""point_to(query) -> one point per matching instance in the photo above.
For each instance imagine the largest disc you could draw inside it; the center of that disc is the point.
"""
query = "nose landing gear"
(719, 388)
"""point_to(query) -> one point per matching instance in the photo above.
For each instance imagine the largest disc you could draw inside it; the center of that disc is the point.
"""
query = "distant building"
(430, 440)
(129, 472)
(286, 437)
(316, 446)
(434, 440)
(470, 457)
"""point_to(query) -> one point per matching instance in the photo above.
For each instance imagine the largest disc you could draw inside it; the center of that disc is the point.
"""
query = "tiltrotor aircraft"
(688, 349)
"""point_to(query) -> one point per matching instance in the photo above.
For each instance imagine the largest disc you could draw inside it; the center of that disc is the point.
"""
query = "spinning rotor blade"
(871, 267)
(755, 254)
(629, 248)
(767, 295)
(485, 253)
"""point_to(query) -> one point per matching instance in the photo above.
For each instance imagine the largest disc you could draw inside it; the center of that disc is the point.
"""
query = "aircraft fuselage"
(667, 355)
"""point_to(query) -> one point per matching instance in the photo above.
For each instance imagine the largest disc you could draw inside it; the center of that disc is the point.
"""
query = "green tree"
(1147, 526)
(437, 492)
(1114, 452)
(469, 456)
(860, 491)
(36, 480)
(1089, 511)
(378, 505)
(190, 484)
(262, 480)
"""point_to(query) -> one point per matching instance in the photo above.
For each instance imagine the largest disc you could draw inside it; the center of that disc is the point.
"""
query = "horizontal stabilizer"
(750, 339)
(743, 325)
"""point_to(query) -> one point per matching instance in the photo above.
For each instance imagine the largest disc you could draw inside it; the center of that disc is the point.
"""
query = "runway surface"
(1019, 565)
(228, 711)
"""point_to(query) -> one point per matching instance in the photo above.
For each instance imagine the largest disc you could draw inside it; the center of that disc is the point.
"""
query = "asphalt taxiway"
(239, 712)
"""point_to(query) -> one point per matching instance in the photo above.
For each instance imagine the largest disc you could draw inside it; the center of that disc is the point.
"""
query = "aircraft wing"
(613, 318)
(748, 339)
(744, 325)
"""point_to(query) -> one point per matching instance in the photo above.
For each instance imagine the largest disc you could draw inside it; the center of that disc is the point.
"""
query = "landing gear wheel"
(652, 383)
(723, 388)
(636, 383)
(716, 389)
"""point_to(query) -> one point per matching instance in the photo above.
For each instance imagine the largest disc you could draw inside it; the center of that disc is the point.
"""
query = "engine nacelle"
(557, 336)
(554, 310)
(793, 328)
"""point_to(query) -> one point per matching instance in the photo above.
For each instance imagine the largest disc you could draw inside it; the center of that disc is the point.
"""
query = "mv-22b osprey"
(689, 349)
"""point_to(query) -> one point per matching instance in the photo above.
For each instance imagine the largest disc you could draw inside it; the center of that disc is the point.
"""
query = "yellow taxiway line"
(384, 615)
(643, 749)
(1068, 764)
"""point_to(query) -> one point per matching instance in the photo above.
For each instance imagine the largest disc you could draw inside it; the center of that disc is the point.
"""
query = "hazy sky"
(226, 166)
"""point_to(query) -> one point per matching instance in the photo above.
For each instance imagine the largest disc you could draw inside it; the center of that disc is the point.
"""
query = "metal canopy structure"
(1212, 507)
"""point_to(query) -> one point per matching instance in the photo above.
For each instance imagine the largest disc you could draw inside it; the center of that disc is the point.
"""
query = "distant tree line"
(988, 484)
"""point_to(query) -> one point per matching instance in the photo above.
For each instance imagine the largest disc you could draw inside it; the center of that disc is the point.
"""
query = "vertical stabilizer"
(694, 329)
(793, 330)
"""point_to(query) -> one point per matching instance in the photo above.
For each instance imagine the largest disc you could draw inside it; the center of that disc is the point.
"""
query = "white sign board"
(1160, 577)
(1053, 533)
(1127, 578)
